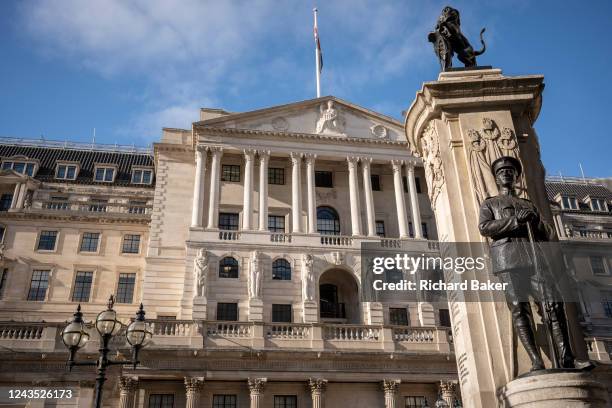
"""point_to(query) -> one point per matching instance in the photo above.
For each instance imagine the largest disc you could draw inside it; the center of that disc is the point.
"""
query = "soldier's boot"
(560, 336)
(525, 334)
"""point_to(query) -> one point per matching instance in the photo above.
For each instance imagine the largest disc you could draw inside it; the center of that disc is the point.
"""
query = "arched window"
(328, 221)
(281, 270)
(228, 268)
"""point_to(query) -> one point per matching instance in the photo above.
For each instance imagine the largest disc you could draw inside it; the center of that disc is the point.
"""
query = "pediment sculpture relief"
(330, 120)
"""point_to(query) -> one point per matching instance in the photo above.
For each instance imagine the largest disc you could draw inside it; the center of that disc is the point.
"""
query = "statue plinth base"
(554, 390)
(255, 310)
(310, 311)
(199, 308)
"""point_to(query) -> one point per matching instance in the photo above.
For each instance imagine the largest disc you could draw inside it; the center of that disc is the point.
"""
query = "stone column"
(354, 195)
(256, 390)
(264, 157)
(317, 389)
(198, 187)
(16, 195)
(215, 177)
(127, 391)
(369, 197)
(312, 199)
(448, 391)
(414, 201)
(247, 200)
(193, 387)
(23, 192)
(296, 192)
(402, 221)
(390, 389)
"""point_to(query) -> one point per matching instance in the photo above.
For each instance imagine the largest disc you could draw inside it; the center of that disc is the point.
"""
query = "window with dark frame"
(82, 286)
(227, 312)
(3, 278)
(375, 181)
(228, 268)
(398, 316)
(66, 172)
(380, 229)
(328, 221)
(285, 401)
(19, 167)
(161, 401)
(89, 242)
(606, 301)
(5, 201)
(104, 174)
(415, 402)
(131, 244)
(281, 269)
(142, 176)
(324, 179)
(282, 314)
(424, 230)
(393, 275)
(444, 315)
(276, 223)
(230, 172)
(228, 221)
(276, 175)
(38, 285)
(224, 401)
(597, 265)
(125, 287)
(47, 240)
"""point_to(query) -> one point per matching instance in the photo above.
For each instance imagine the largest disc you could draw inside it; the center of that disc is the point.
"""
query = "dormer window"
(66, 171)
(569, 203)
(23, 167)
(598, 204)
(142, 175)
(105, 174)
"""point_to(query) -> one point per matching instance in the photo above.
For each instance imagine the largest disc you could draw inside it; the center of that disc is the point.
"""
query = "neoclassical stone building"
(248, 263)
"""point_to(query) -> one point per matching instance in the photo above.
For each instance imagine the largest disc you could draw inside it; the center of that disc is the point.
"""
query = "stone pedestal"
(427, 316)
(459, 125)
(310, 311)
(554, 390)
(255, 310)
(199, 308)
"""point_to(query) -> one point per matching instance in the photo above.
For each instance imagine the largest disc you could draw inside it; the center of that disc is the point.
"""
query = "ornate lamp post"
(75, 336)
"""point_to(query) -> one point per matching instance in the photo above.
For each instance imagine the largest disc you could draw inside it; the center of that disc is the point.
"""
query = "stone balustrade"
(27, 336)
(93, 208)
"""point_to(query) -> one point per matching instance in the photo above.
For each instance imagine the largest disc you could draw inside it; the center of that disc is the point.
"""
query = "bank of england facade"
(241, 236)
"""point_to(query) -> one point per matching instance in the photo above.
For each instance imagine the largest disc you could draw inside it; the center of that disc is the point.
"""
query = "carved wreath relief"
(485, 146)
(433, 163)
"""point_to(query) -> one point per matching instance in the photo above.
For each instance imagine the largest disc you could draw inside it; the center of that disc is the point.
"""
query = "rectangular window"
(104, 174)
(597, 204)
(276, 223)
(228, 221)
(417, 184)
(142, 176)
(66, 172)
(598, 265)
(5, 201)
(424, 230)
(46, 241)
(19, 167)
(89, 241)
(375, 180)
(398, 316)
(569, 203)
(276, 175)
(125, 287)
(38, 285)
(444, 317)
(380, 228)
(230, 172)
(82, 286)
(3, 277)
(131, 244)
(224, 401)
(227, 312)
(285, 401)
(281, 314)
(606, 301)
(415, 402)
(161, 401)
(324, 179)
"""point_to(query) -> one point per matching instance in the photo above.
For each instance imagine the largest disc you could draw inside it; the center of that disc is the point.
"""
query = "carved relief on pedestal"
(308, 279)
(330, 120)
(200, 273)
(255, 275)
(434, 174)
(485, 146)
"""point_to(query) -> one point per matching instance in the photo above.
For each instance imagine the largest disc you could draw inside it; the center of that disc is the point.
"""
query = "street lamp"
(74, 336)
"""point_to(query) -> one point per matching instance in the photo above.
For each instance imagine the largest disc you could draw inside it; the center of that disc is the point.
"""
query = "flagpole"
(317, 56)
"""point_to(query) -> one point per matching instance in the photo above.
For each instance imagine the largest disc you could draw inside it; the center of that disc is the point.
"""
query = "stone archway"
(339, 297)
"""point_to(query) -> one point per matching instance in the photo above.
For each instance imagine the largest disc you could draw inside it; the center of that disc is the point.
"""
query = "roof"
(578, 189)
(87, 158)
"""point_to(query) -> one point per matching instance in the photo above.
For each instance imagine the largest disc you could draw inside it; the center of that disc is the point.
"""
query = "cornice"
(28, 215)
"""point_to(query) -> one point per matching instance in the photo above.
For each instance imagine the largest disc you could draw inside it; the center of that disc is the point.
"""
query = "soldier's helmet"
(507, 161)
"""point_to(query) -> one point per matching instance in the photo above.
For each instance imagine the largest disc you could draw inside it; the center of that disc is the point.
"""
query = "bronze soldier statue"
(515, 228)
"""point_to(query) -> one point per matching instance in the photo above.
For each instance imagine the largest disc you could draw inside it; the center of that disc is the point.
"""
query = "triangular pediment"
(329, 116)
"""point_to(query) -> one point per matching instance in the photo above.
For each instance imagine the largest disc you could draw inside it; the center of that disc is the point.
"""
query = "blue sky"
(128, 68)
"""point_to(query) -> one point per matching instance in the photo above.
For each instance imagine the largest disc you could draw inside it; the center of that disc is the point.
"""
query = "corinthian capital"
(249, 154)
(310, 157)
(317, 385)
(295, 157)
(390, 386)
(257, 385)
(128, 384)
(397, 165)
(194, 384)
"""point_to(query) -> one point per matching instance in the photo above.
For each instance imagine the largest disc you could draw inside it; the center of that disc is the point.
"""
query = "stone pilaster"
(317, 390)
(198, 187)
(127, 391)
(193, 388)
(264, 157)
(312, 199)
(354, 196)
(215, 177)
(390, 388)
(256, 390)
(296, 192)
(247, 201)
(402, 221)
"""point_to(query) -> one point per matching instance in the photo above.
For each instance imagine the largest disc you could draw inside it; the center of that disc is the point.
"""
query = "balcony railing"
(590, 234)
(95, 208)
(336, 240)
